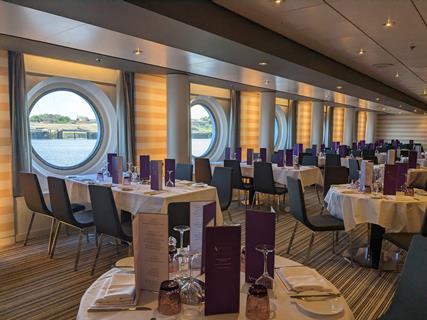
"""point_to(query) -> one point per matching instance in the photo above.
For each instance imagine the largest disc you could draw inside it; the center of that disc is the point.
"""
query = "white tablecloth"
(417, 177)
(394, 213)
(282, 305)
(137, 200)
(344, 161)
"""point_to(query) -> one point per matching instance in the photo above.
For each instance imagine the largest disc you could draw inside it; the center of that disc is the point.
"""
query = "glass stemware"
(106, 172)
(135, 177)
(191, 290)
(181, 255)
(265, 278)
(170, 183)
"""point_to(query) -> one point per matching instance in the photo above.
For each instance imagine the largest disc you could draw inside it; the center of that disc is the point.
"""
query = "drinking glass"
(170, 183)
(181, 255)
(106, 172)
(265, 278)
(191, 290)
(135, 177)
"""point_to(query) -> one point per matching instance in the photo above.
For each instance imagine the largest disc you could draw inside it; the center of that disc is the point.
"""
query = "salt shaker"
(169, 298)
(257, 303)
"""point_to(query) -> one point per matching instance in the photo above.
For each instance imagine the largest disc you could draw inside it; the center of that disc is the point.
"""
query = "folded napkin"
(301, 279)
(117, 290)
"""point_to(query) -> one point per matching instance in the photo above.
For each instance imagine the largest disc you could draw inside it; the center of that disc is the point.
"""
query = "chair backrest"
(333, 160)
(356, 153)
(236, 173)
(310, 161)
(330, 151)
(263, 177)
(105, 212)
(184, 171)
(411, 295)
(424, 225)
(202, 170)
(309, 150)
(33, 194)
(334, 175)
(353, 166)
(221, 180)
(179, 215)
(301, 156)
(59, 200)
(368, 153)
(404, 153)
(296, 200)
(275, 157)
(374, 159)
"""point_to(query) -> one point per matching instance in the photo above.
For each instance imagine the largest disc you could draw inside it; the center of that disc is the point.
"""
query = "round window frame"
(98, 140)
(104, 109)
(215, 129)
(280, 116)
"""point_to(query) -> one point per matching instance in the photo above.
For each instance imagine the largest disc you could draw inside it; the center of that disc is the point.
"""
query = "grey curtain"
(291, 128)
(329, 124)
(126, 115)
(234, 127)
(19, 122)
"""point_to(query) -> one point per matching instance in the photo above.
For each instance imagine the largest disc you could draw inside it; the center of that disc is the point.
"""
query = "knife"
(319, 295)
(110, 309)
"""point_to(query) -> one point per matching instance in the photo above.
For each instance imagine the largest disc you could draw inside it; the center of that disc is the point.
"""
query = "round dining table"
(282, 306)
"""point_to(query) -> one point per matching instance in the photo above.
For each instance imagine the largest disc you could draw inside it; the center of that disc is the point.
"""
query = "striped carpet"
(34, 287)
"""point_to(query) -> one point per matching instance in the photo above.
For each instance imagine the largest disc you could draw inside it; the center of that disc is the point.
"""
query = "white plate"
(199, 185)
(324, 307)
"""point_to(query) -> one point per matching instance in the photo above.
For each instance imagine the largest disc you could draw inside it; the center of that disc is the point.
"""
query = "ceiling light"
(388, 23)
(383, 65)
(415, 110)
(361, 52)
(263, 63)
(98, 59)
(137, 51)
(378, 99)
(384, 109)
(424, 94)
(397, 74)
(339, 87)
(277, 1)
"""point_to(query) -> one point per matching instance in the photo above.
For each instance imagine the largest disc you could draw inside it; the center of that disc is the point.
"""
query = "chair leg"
(309, 247)
(350, 236)
(380, 266)
(51, 234)
(117, 247)
(98, 251)
(29, 228)
(291, 240)
(79, 246)
(55, 238)
(317, 192)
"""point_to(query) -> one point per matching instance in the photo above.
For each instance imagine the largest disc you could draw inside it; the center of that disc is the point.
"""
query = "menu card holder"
(238, 152)
(289, 158)
(263, 154)
(412, 160)
(222, 270)
(144, 167)
(227, 153)
(170, 172)
(314, 150)
(117, 170)
(402, 170)
(249, 156)
(280, 158)
(156, 174)
(390, 179)
(260, 229)
(110, 161)
(391, 156)
(366, 174)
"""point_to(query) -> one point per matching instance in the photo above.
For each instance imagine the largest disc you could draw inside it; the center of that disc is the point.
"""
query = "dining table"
(140, 198)
(344, 161)
(282, 304)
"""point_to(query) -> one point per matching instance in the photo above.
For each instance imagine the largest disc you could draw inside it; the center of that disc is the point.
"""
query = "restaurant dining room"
(213, 159)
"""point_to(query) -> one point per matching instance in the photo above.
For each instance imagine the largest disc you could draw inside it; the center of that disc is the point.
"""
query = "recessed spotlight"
(263, 63)
(361, 52)
(339, 87)
(277, 1)
(377, 98)
(389, 23)
(400, 112)
(137, 51)
(400, 106)
(98, 59)
(397, 75)
(415, 110)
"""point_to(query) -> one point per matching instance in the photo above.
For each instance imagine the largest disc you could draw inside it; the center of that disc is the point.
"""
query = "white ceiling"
(339, 29)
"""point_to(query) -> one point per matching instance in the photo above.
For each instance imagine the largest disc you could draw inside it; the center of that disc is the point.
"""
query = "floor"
(34, 287)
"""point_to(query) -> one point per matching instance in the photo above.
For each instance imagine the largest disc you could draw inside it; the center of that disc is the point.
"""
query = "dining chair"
(373, 158)
(368, 153)
(179, 215)
(356, 153)
(410, 297)
(353, 166)
(330, 151)
(64, 214)
(275, 157)
(237, 179)
(310, 161)
(333, 160)
(309, 150)
(264, 182)
(301, 157)
(222, 181)
(106, 218)
(334, 175)
(202, 170)
(316, 223)
(184, 171)
(35, 201)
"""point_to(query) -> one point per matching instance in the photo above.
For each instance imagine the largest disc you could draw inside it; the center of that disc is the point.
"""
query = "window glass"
(202, 130)
(276, 131)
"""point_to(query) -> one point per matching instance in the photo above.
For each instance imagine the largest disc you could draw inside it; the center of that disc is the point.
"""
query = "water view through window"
(202, 130)
(64, 129)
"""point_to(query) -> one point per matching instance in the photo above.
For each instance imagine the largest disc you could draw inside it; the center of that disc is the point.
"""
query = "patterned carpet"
(34, 287)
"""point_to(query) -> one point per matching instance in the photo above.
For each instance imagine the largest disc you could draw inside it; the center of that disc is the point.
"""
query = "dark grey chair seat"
(325, 222)
(84, 219)
(74, 207)
(402, 240)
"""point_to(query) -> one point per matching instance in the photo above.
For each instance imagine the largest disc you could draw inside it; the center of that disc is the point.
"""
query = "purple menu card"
(390, 179)
(354, 146)
(156, 174)
(249, 156)
(260, 229)
(343, 151)
(280, 158)
(412, 160)
(170, 172)
(314, 150)
(402, 170)
(209, 220)
(144, 167)
(238, 152)
(110, 161)
(263, 154)
(227, 153)
(222, 270)
(289, 158)
(117, 169)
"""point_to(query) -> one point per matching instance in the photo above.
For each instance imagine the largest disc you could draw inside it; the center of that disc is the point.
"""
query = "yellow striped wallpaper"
(304, 123)
(249, 121)
(150, 116)
(338, 127)
(361, 125)
(7, 228)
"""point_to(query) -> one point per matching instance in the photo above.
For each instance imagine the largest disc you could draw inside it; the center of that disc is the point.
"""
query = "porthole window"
(280, 128)
(203, 130)
(65, 129)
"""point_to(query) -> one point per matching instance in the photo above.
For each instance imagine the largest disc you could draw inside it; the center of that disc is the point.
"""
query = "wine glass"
(135, 177)
(191, 290)
(170, 183)
(265, 278)
(106, 172)
(181, 255)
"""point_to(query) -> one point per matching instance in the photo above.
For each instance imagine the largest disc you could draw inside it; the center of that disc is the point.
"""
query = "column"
(178, 113)
(371, 120)
(317, 123)
(266, 128)
(329, 126)
(348, 126)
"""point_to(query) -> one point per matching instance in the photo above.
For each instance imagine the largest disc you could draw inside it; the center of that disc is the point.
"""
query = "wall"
(304, 123)
(403, 127)
(7, 228)
(249, 121)
(361, 126)
(338, 125)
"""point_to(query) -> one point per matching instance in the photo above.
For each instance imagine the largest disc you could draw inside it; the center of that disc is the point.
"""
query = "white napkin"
(119, 289)
(303, 279)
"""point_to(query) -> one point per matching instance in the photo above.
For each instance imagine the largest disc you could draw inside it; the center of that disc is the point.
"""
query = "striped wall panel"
(7, 228)
(338, 125)
(304, 123)
(150, 116)
(402, 127)
(249, 121)
(361, 125)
